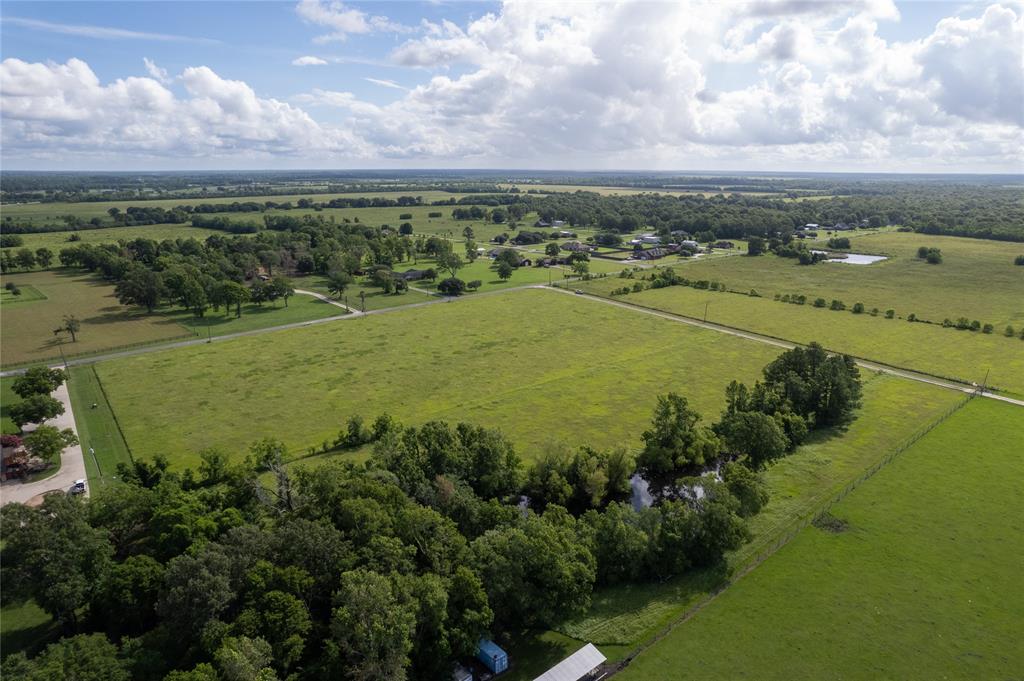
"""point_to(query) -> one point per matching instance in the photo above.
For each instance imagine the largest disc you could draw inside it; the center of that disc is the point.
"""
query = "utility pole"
(706, 311)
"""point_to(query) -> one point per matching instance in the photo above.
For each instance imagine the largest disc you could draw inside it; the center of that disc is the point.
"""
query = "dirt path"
(72, 462)
(330, 301)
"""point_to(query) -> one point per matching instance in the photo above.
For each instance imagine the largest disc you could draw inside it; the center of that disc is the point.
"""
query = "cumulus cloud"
(309, 61)
(155, 71)
(343, 20)
(589, 85)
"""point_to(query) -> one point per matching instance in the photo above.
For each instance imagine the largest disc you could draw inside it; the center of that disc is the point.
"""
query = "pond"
(852, 258)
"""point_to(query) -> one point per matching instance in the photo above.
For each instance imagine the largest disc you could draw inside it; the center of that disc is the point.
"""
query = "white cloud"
(343, 20)
(309, 61)
(155, 71)
(609, 85)
(102, 32)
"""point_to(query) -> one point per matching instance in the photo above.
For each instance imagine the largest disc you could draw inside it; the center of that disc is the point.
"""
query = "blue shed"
(493, 657)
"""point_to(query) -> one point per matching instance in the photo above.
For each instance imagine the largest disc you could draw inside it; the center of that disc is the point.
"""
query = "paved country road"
(72, 462)
(739, 333)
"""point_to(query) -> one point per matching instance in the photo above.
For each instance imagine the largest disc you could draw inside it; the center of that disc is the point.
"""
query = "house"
(565, 234)
(650, 254)
(580, 665)
(842, 227)
(558, 223)
(411, 275)
(723, 244)
(577, 247)
(526, 262)
(690, 245)
(492, 657)
(495, 252)
(650, 239)
(542, 223)
(809, 225)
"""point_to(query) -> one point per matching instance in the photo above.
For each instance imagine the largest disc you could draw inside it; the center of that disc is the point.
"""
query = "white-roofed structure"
(575, 667)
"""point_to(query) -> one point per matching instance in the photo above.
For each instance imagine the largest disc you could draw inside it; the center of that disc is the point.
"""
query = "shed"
(493, 657)
(575, 667)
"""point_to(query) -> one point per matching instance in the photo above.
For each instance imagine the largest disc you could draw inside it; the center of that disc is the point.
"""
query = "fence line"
(795, 528)
(113, 414)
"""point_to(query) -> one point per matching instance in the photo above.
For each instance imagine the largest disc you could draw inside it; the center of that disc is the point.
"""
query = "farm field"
(977, 278)
(798, 484)
(58, 240)
(919, 579)
(584, 373)
(106, 324)
(929, 348)
(44, 212)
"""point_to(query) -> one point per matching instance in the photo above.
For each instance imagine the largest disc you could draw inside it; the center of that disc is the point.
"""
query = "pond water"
(642, 497)
(854, 258)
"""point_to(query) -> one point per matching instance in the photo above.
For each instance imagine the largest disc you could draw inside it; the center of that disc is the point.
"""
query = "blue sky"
(763, 84)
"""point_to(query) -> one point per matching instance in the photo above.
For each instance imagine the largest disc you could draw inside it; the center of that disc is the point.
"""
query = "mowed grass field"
(963, 355)
(924, 582)
(28, 327)
(542, 366)
(798, 485)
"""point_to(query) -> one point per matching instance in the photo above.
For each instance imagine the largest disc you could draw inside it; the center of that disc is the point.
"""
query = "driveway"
(72, 462)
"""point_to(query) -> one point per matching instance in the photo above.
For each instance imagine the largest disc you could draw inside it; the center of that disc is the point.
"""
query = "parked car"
(78, 487)
(579, 292)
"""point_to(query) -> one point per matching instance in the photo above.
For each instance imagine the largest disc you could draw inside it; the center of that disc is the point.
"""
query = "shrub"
(837, 305)
(912, 317)
(474, 285)
(874, 312)
(987, 328)
(858, 308)
(975, 325)
(754, 294)
(933, 256)
(947, 323)
(778, 296)
(839, 242)
(820, 302)
(405, 216)
(434, 215)
(890, 313)
(785, 298)
(1009, 332)
(1019, 260)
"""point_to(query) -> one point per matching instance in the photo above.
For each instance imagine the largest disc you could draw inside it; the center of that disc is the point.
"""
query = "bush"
(1019, 260)
(434, 215)
(405, 216)
(1009, 332)
(474, 285)
(837, 305)
(975, 325)
(874, 312)
(820, 302)
(987, 328)
(933, 256)
(890, 313)
(858, 308)
(839, 242)
(911, 317)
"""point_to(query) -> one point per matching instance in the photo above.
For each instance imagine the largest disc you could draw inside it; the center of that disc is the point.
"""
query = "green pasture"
(97, 428)
(300, 308)
(542, 366)
(930, 348)
(799, 484)
(25, 627)
(919, 579)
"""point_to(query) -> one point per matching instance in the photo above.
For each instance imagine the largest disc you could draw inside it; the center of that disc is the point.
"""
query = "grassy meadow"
(919, 579)
(58, 240)
(541, 366)
(105, 323)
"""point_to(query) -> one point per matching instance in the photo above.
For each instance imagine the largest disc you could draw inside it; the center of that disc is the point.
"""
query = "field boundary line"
(796, 527)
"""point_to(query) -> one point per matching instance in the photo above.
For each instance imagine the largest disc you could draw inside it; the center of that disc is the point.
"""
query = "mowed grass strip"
(922, 581)
(951, 353)
(799, 484)
(97, 429)
(542, 366)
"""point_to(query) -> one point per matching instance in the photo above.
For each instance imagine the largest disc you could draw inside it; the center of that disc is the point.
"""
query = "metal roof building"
(576, 666)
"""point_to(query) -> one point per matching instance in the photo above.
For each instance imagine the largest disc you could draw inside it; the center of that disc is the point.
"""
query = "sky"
(785, 85)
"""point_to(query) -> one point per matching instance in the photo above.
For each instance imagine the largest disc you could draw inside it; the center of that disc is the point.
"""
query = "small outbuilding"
(492, 657)
(580, 665)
